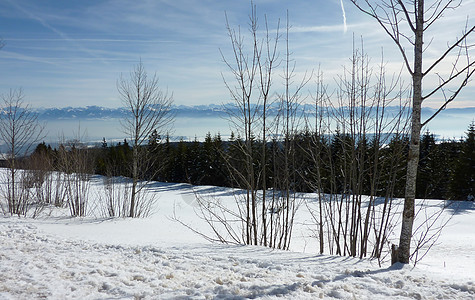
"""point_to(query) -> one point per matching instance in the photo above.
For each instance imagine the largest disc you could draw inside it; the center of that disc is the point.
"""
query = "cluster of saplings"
(446, 168)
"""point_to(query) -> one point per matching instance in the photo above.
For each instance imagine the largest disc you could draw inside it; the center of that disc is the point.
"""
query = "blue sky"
(70, 53)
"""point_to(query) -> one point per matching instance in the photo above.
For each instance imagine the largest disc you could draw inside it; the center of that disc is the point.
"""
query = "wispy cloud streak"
(53, 29)
(94, 40)
(322, 29)
(345, 28)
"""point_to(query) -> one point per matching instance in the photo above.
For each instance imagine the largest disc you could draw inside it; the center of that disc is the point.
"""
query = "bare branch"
(444, 55)
(406, 14)
(437, 13)
(454, 94)
(453, 77)
(390, 26)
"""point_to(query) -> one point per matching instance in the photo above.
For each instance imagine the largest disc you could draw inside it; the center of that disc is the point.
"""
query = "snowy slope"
(37, 265)
(57, 257)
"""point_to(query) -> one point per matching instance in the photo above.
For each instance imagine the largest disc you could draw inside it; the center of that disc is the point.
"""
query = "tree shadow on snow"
(460, 207)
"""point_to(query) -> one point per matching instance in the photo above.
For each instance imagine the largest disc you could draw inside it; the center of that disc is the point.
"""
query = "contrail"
(53, 29)
(40, 20)
(345, 28)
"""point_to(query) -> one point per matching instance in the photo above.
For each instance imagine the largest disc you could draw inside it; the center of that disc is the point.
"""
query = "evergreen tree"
(426, 169)
(117, 160)
(166, 171)
(341, 149)
(393, 166)
(462, 183)
(363, 165)
(206, 163)
(218, 162)
(181, 167)
(194, 158)
(234, 158)
(155, 149)
(304, 162)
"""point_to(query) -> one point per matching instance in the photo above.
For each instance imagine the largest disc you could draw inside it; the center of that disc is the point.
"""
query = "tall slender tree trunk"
(12, 197)
(413, 156)
(264, 174)
(134, 181)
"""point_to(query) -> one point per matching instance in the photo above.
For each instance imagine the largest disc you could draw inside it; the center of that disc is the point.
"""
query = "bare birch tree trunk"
(404, 250)
(392, 16)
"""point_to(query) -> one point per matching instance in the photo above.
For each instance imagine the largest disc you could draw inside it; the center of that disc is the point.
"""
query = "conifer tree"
(207, 177)
(462, 184)
(426, 166)
(194, 158)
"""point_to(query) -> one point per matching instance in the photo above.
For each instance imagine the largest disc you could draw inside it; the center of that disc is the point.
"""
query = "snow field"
(58, 257)
(36, 265)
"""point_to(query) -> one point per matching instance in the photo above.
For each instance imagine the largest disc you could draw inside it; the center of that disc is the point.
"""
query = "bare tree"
(406, 23)
(252, 67)
(20, 130)
(284, 203)
(265, 206)
(349, 158)
(148, 109)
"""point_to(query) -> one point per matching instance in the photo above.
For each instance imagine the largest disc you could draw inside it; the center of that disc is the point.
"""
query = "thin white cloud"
(98, 40)
(53, 29)
(16, 56)
(345, 28)
(324, 28)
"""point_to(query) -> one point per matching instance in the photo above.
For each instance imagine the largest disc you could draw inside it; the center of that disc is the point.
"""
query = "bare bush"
(114, 199)
(75, 163)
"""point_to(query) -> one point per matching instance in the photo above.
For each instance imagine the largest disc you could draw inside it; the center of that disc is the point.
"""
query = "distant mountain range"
(196, 121)
(197, 111)
(99, 112)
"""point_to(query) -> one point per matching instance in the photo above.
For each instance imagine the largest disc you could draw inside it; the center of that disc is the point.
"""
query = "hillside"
(57, 257)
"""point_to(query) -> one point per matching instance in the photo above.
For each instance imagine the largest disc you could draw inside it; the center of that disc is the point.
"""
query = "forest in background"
(446, 168)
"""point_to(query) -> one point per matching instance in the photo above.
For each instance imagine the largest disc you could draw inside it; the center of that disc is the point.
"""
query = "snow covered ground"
(58, 257)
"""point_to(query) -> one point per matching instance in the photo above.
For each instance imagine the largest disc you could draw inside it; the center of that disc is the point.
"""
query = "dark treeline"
(446, 168)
